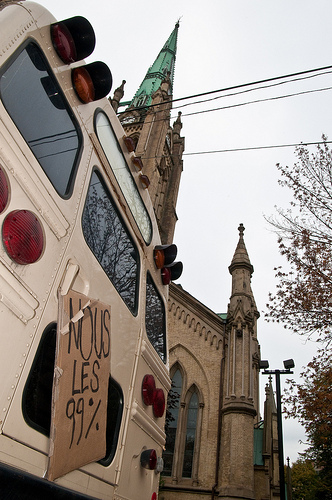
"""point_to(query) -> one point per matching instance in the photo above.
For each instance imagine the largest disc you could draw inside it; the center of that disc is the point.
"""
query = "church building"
(217, 443)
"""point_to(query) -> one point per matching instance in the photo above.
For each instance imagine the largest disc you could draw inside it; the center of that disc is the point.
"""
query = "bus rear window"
(34, 101)
(110, 242)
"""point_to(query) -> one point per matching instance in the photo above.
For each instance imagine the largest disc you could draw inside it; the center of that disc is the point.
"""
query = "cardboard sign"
(80, 387)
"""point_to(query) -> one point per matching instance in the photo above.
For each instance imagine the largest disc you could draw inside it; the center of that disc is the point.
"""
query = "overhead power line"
(255, 148)
(239, 86)
(256, 101)
(258, 82)
(250, 148)
(236, 105)
(251, 90)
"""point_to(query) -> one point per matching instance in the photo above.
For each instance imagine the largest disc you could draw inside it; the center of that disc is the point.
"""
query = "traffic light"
(164, 257)
(74, 39)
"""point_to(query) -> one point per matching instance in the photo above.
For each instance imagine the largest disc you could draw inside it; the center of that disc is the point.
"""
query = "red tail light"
(153, 396)
(166, 275)
(149, 459)
(154, 496)
(158, 403)
(73, 39)
(4, 191)
(23, 236)
(63, 43)
(148, 389)
(171, 273)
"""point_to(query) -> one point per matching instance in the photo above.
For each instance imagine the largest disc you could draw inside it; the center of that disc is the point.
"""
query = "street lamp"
(288, 364)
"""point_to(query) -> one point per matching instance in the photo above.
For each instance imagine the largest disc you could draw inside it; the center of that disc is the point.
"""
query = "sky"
(221, 44)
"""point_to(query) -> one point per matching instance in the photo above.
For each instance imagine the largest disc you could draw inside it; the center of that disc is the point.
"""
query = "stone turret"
(239, 410)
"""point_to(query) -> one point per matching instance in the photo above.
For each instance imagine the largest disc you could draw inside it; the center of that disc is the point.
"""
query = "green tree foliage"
(305, 480)
(303, 298)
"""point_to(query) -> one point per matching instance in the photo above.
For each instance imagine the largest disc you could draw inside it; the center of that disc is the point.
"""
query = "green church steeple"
(160, 69)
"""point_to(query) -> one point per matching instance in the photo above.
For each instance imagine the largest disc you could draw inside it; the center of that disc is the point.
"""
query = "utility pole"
(288, 364)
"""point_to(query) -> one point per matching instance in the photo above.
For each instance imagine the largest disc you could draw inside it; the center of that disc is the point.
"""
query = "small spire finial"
(117, 96)
(177, 125)
(241, 257)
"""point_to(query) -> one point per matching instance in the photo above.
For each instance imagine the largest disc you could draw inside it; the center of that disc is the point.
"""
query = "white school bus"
(83, 277)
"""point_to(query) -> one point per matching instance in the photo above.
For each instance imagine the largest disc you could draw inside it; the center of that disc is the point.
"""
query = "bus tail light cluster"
(22, 233)
(73, 40)
(152, 396)
(23, 236)
(164, 256)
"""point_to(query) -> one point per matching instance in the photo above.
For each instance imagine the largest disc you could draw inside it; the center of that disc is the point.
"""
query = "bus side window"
(114, 415)
(110, 242)
(35, 103)
(122, 173)
(155, 319)
(37, 395)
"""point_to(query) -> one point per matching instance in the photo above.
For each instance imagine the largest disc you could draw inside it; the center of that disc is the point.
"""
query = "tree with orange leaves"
(303, 300)
(311, 403)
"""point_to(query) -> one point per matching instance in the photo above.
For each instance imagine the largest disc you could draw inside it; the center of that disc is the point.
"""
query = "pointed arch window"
(183, 430)
(189, 448)
(172, 418)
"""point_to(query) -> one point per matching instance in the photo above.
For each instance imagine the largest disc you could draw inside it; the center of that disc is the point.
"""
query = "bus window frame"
(149, 280)
(67, 106)
(103, 180)
(102, 111)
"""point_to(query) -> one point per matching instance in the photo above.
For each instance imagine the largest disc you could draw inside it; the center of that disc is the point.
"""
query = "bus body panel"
(29, 293)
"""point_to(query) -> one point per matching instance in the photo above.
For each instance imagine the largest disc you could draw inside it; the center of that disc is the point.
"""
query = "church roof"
(162, 66)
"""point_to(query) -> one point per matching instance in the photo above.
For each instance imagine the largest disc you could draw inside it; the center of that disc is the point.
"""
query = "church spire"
(241, 257)
(241, 270)
(162, 68)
